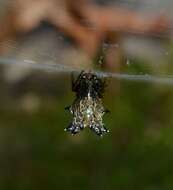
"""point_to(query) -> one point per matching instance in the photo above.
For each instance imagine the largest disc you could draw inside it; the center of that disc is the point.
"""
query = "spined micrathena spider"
(87, 109)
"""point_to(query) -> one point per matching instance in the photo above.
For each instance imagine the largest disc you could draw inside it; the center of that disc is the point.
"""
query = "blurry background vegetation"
(36, 153)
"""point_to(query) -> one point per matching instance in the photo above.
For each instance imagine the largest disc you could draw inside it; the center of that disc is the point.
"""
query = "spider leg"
(67, 108)
(104, 129)
(99, 130)
(76, 82)
(104, 84)
(100, 87)
(106, 111)
(73, 128)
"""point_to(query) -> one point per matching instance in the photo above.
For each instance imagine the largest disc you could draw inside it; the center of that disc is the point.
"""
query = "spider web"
(55, 67)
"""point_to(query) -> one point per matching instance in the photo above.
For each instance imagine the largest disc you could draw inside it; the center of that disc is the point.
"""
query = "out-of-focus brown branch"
(118, 19)
(86, 23)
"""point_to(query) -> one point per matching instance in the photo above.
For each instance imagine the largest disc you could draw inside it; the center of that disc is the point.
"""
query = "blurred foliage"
(35, 152)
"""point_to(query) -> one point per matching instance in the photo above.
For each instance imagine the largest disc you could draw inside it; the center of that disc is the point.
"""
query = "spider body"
(87, 109)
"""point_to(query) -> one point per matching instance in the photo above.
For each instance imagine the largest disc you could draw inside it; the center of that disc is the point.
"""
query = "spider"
(87, 109)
